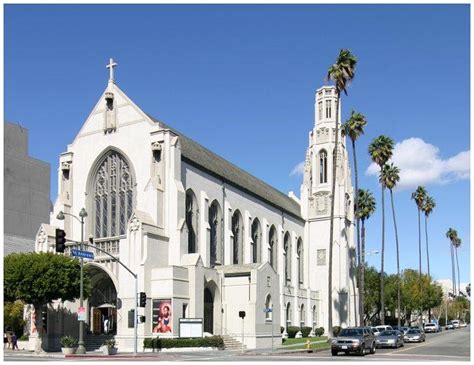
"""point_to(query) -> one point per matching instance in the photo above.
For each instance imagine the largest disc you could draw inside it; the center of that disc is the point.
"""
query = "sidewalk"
(288, 349)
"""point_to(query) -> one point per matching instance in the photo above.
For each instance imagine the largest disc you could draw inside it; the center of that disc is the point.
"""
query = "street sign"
(83, 254)
(81, 314)
(267, 310)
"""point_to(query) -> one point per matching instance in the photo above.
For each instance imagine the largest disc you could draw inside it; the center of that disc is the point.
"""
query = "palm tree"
(341, 72)
(354, 128)
(419, 197)
(381, 150)
(452, 234)
(390, 176)
(427, 208)
(457, 244)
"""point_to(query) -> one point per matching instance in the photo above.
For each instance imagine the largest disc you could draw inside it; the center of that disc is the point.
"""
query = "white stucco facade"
(168, 184)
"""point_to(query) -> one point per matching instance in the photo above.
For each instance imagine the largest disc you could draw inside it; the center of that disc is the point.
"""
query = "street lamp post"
(82, 214)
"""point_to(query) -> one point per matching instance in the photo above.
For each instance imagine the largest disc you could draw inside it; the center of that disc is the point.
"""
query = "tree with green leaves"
(381, 150)
(341, 73)
(354, 128)
(452, 234)
(371, 295)
(390, 176)
(13, 316)
(366, 207)
(419, 196)
(40, 278)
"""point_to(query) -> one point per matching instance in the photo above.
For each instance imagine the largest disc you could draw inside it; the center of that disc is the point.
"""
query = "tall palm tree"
(366, 207)
(390, 176)
(341, 72)
(457, 244)
(452, 234)
(419, 197)
(381, 150)
(427, 208)
(354, 128)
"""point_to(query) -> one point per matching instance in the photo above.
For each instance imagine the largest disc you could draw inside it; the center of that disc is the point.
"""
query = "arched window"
(191, 220)
(323, 167)
(287, 254)
(300, 258)
(113, 196)
(256, 238)
(237, 231)
(288, 315)
(314, 319)
(215, 244)
(268, 308)
(302, 315)
(272, 248)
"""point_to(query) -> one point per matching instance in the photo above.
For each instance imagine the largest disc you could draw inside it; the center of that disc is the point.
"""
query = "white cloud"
(298, 169)
(420, 164)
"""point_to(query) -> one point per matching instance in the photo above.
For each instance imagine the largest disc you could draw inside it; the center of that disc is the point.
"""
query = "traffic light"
(60, 240)
(142, 300)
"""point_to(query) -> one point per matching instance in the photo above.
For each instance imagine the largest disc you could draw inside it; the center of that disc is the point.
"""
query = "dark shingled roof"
(199, 156)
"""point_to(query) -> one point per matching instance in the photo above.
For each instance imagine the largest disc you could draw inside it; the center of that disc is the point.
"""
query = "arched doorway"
(102, 303)
(208, 311)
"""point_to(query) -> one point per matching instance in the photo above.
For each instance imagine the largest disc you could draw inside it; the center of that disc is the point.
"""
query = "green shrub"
(68, 341)
(305, 331)
(24, 337)
(109, 343)
(319, 331)
(292, 331)
(166, 343)
(336, 330)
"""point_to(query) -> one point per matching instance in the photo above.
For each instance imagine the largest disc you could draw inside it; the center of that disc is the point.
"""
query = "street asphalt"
(453, 345)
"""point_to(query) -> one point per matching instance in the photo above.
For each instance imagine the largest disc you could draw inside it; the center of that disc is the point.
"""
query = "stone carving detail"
(134, 224)
(321, 257)
(65, 166)
(322, 202)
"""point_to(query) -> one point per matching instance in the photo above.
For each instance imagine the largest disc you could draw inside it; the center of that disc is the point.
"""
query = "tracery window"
(237, 240)
(287, 258)
(328, 108)
(113, 196)
(256, 234)
(191, 220)
(323, 167)
(272, 248)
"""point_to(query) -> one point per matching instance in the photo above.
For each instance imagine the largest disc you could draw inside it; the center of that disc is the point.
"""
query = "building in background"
(26, 191)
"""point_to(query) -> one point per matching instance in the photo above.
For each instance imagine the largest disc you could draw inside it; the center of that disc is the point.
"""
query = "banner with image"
(161, 321)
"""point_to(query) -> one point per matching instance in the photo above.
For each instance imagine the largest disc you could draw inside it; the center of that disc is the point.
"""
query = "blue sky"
(241, 79)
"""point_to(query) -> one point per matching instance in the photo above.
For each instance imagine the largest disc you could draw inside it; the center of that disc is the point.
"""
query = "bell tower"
(316, 209)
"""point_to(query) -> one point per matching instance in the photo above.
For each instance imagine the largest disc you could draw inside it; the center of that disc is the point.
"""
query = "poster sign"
(161, 316)
(81, 314)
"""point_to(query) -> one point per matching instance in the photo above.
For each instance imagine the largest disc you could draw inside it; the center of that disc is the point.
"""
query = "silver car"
(389, 338)
(414, 336)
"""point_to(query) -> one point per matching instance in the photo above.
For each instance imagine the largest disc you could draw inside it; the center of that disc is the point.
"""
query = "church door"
(97, 323)
(208, 311)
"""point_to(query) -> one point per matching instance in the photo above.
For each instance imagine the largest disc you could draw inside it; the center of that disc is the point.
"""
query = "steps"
(232, 344)
(93, 342)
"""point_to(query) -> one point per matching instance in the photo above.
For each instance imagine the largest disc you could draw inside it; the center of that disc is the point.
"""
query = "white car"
(375, 330)
(384, 328)
(462, 324)
(431, 327)
(455, 323)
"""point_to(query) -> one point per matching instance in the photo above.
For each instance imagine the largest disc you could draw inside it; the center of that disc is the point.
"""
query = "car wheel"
(362, 350)
(403, 344)
(334, 352)
(372, 350)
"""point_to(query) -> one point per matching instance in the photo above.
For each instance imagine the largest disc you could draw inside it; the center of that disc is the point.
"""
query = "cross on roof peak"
(111, 66)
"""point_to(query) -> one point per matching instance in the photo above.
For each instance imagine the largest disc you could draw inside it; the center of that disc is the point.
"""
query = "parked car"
(355, 339)
(382, 328)
(431, 327)
(462, 324)
(389, 338)
(405, 329)
(375, 330)
(449, 326)
(455, 323)
(414, 335)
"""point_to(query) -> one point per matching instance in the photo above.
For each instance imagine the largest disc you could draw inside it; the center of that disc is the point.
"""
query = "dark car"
(390, 339)
(356, 340)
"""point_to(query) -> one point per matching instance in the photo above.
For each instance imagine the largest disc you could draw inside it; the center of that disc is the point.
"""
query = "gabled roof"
(200, 157)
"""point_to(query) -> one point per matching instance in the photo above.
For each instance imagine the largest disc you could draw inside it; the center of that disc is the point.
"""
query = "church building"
(205, 238)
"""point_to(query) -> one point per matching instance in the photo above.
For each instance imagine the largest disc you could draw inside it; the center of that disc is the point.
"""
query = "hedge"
(336, 330)
(319, 331)
(292, 331)
(305, 331)
(166, 343)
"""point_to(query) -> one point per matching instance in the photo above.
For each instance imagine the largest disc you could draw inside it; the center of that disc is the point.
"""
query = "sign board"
(267, 310)
(81, 314)
(83, 254)
(190, 327)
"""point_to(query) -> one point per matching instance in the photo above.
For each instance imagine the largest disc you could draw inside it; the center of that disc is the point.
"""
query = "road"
(444, 346)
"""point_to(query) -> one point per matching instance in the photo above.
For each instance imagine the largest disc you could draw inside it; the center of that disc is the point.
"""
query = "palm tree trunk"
(398, 257)
(459, 277)
(453, 273)
(362, 274)
(356, 179)
(427, 259)
(419, 241)
(331, 226)
(382, 291)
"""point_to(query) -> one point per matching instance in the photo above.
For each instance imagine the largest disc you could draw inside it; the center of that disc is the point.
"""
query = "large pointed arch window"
(272, 248)
(287, 254)
(113, 196)
(323, 167)
(215, 246)
(191, 220)
(237, 231)
(300, 257)
(256, 238)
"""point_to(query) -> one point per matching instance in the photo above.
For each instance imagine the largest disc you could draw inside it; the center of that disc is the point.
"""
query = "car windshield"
(389, 333)
(429, 325)
(349, 332)
(414, 332)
